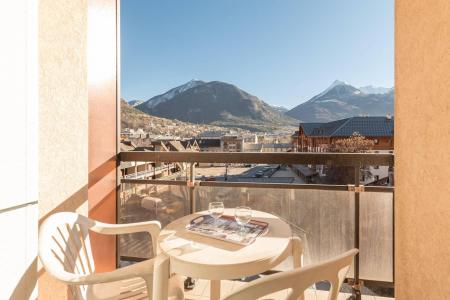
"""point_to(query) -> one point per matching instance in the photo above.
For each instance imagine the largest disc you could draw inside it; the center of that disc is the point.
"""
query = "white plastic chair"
(298, 280)
(65, 252)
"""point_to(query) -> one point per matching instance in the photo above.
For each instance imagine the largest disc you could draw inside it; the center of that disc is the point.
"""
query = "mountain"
(170, 94)
(133, 118)
(370, 89)
(130, 117)
(280, 108)
(135, 102)
(341, 100)
(217, 103)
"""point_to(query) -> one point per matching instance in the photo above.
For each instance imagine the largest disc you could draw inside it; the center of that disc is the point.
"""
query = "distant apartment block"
(232, 143)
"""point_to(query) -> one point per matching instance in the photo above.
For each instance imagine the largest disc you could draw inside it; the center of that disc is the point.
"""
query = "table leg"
(214, 292)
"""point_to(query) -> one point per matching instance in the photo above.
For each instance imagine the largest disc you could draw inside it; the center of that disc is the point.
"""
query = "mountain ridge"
(217, 103)
(342, 100)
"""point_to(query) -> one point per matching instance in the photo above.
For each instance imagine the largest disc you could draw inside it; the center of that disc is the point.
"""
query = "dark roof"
(210, 134)
(309, 127)
(366, 126)
(208, 142)
(185, 143)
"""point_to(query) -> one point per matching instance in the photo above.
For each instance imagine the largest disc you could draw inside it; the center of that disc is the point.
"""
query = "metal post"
(191, 184)
(356, 285)
(189, 283)
(393, 236)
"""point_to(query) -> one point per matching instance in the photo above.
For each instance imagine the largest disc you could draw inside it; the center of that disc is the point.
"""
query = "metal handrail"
(320, 158)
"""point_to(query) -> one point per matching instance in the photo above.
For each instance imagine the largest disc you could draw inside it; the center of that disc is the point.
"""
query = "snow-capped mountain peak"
(332, 86)
(173, 92)
(135, 102)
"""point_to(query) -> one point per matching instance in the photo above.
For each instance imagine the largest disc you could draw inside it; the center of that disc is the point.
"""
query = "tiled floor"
(201, 292)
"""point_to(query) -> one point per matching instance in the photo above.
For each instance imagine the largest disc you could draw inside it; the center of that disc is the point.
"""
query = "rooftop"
(366, 126)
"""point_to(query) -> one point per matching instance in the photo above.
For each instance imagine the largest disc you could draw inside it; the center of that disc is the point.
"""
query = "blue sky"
(284, 52)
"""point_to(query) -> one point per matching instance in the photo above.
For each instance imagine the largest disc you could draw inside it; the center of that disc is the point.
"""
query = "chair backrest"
(65, 249)
(298, 280)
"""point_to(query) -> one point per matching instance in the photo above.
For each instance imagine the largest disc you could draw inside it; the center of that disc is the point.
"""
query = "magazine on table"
(227, 229)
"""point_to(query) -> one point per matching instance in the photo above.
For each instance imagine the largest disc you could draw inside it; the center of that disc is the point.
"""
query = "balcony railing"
(330, 218)
(149, 172)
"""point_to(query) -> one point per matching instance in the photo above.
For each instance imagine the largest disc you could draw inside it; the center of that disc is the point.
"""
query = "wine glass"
(216, 209)
(243, 215)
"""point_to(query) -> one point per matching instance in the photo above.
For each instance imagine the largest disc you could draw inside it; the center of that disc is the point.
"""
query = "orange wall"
(422, 147)
(102, 91)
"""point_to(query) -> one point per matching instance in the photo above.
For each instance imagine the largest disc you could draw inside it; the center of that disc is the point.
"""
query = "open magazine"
(227, 229)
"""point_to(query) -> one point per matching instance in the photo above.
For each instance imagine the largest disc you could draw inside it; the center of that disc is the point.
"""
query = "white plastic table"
(203, 257)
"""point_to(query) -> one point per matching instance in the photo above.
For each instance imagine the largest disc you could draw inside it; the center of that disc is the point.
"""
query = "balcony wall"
(422, 143)
(103, 125)
(63, 116)
(324, 219)
(77, 139)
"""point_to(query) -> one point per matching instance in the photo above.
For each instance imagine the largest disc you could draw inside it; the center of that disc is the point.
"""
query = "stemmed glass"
(243, 215)
(216, 209)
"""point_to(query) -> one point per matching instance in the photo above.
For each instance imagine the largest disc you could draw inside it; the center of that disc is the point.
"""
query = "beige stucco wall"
(63, 103)
(422, 147)
(63, 115)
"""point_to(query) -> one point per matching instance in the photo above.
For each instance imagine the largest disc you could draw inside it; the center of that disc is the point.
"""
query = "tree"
(353, 144)
(356, 143)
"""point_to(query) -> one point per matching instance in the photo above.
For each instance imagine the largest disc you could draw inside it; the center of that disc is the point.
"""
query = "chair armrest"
(152, 227)
(143, 269)
(297, 251)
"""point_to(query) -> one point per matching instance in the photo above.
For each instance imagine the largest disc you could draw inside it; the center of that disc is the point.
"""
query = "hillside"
(133, 118)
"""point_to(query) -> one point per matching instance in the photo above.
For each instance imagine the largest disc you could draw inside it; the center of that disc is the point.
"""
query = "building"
(208, 144)
(232, 143)
(318, 137)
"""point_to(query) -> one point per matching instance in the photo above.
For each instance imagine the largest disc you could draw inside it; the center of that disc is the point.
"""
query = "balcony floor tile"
(201, 292)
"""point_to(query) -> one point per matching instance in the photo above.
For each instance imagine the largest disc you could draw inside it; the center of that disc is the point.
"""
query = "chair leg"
(214, 290)
(160, 284)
